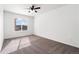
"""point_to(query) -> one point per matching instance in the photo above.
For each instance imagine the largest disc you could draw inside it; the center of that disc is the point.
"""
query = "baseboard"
(44, 38)
(17, 37)
(56, 41)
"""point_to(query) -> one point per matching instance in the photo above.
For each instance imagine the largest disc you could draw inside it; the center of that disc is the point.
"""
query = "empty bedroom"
(39, 28)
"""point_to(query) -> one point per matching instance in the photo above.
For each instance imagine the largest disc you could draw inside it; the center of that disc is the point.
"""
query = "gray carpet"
(36, 45)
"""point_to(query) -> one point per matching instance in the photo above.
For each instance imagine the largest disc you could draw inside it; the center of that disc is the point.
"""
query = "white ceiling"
(22, 8)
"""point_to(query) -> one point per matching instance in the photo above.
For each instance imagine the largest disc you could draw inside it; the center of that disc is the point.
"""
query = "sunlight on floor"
(24, 43)
(16, 44)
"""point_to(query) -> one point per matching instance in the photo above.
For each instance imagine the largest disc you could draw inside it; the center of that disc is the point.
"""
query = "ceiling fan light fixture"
(33, 9)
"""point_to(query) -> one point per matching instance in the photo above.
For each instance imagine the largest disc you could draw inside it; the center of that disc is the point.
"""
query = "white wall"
(1, 26)
(61, 25)
(9, 25)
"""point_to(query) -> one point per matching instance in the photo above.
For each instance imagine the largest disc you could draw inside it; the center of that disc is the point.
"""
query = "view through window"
(20, 24)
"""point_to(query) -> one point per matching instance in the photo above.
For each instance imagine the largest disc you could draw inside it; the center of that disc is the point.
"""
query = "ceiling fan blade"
(37, 8)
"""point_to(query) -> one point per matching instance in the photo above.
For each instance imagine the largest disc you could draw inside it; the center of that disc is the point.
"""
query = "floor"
(36, 45)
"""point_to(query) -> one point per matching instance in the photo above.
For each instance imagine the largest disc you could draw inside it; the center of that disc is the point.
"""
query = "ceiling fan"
(33, 8)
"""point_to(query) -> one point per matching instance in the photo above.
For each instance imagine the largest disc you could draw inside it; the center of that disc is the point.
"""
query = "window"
(20, 24)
